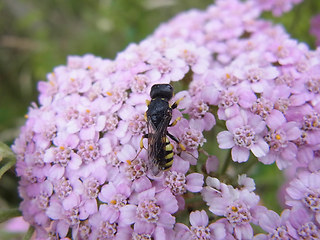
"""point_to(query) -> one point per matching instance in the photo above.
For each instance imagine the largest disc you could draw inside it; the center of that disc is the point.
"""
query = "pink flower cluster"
(81, 177)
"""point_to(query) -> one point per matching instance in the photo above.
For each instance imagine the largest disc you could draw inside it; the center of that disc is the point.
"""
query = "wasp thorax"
(161, 91)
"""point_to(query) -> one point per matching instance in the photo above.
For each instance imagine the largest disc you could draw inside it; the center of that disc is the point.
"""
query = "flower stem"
(226, 164)
(29, 233)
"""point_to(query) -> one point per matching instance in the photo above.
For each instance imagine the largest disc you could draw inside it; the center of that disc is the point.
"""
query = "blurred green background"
(36, 36)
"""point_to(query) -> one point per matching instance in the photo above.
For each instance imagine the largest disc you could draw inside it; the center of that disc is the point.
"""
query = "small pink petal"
(212, 164)
(87, 133)
(269, 158)
(128, 214)
(56, 172)
(167, 201)
(54, 211)
(62, 228)
(142, 184)
(166, 220)
(225, 139)
(180, 165)
(109, 213)
(240, 154)
(71, 201)
(194, 182)
(275, 119)
(107, 192)
(260, 148)
(199, 219)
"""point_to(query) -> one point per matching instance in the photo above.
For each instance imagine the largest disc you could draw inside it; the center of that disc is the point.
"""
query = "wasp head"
(161, 91)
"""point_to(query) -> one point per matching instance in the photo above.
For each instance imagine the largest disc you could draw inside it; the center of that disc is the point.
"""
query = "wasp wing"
(157, 141)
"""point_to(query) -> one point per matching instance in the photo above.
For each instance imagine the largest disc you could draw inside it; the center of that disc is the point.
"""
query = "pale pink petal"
(142, 184)
(128, 214)
(225, 139)
(199, 219)
(293, 132)
(212, 164)
(237, 121)
(269, 220)
(75, 161)
(147, 194)
(260, 148)
(182, 231)
(55, 211)
(244, 231)
(167, 201)
(101, 122)
(105, 146)
(160, 233)
(269, 158)
(166, 220)
(90, 207)
(109, 213)
(275, 119)
(209, 121)
(62, 228)
(194, 182)
(56, 172)
(240, 154)
(180, 165)
(71, 201)
(219, 231)
(87, 133)
(107, 192)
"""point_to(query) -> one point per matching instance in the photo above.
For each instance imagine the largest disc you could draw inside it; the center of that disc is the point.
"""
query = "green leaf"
(8, 214)
(6, 154)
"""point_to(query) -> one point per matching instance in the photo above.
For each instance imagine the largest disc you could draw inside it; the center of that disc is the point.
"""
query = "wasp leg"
(183, 148)
(174, 122)
(147, 102)
(177, 103)
(141, 141)
(141, 145)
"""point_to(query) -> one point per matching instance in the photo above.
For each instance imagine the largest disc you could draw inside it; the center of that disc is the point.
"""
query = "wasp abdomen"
(168, 158)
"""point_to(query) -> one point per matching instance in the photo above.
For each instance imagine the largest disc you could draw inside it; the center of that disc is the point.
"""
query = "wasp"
(158, 116)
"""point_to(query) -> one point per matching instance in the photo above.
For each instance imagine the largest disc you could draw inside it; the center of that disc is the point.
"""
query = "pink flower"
(303, 192)
(301, 225)
(150, 209)
(280, 138)
(243, 136)
(275, 225)
(200, 228)
(237, 206)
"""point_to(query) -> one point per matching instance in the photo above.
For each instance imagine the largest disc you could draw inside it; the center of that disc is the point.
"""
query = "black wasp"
(158, 116)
